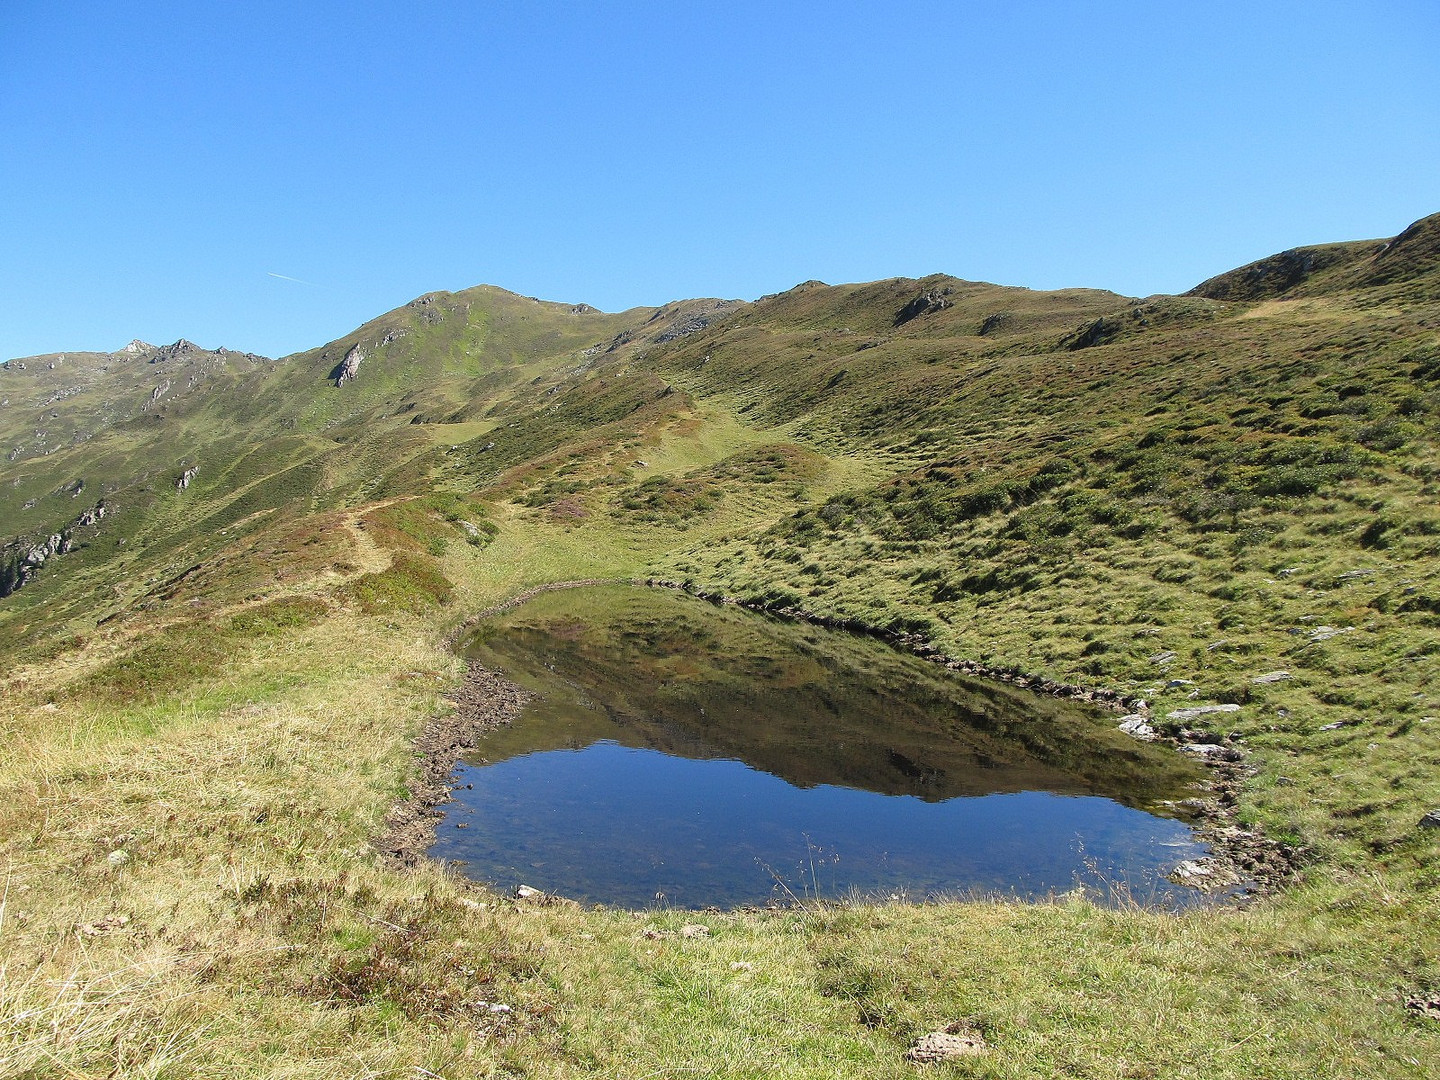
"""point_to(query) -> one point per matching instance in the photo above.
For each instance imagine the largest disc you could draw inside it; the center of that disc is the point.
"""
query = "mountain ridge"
(1218, 511)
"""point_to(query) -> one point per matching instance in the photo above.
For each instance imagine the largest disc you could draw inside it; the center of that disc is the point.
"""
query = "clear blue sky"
(161, 161)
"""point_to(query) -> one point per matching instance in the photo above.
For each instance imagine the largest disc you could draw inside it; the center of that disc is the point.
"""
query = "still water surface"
(694, 755)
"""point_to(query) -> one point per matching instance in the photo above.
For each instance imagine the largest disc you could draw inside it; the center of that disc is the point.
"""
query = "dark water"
(695, 755)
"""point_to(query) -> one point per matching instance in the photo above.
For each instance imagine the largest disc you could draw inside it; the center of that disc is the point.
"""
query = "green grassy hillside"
(211, 690)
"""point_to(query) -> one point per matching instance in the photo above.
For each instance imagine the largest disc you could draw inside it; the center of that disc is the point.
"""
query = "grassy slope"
(1074, 511)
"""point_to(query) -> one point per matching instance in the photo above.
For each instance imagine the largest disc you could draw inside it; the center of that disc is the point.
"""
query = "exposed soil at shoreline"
(1241, 858)
(484, 700)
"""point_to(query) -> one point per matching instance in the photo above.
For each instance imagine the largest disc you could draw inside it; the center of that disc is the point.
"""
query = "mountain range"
(1227, 497)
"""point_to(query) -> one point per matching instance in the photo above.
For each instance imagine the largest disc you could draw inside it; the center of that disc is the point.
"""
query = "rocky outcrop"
(994, 322)
(181, 350)
(348, 368)
(925, 304)
(1096, 333)
(36, 556)
(183, 481)
(23, 560)
(430, 312)
(91, 518)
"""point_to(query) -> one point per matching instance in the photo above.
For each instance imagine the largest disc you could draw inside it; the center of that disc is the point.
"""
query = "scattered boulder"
(1325, 633)
(1197, 711)
(1426, 1006)
(1271, 677)
(1431, 820)
(955, 1042)
(1137, 726)
(1207, 875)
(524, 894)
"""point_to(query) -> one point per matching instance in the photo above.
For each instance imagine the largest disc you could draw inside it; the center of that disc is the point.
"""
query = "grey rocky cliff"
(350, 366)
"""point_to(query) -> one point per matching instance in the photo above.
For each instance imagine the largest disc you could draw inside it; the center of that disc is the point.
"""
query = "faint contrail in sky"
(287, 277)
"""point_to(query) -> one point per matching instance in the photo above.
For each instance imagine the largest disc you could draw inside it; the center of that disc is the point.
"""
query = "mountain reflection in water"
(712, 755)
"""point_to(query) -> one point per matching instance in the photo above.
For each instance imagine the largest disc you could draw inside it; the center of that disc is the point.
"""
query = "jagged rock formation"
(23, 562)
(927, 302)
(92, 517)
(1096, 333)
(183, 481)
(178, 351)
(350, 366)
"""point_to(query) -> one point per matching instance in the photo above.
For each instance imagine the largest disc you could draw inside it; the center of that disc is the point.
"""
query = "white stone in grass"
(1200, 710)
(1137, 726)
(118, 858)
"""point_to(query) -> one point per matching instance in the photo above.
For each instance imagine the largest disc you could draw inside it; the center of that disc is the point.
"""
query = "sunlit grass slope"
(209, 702)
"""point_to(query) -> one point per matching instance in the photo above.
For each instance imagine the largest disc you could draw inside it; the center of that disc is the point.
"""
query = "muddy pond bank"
(484, 700)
